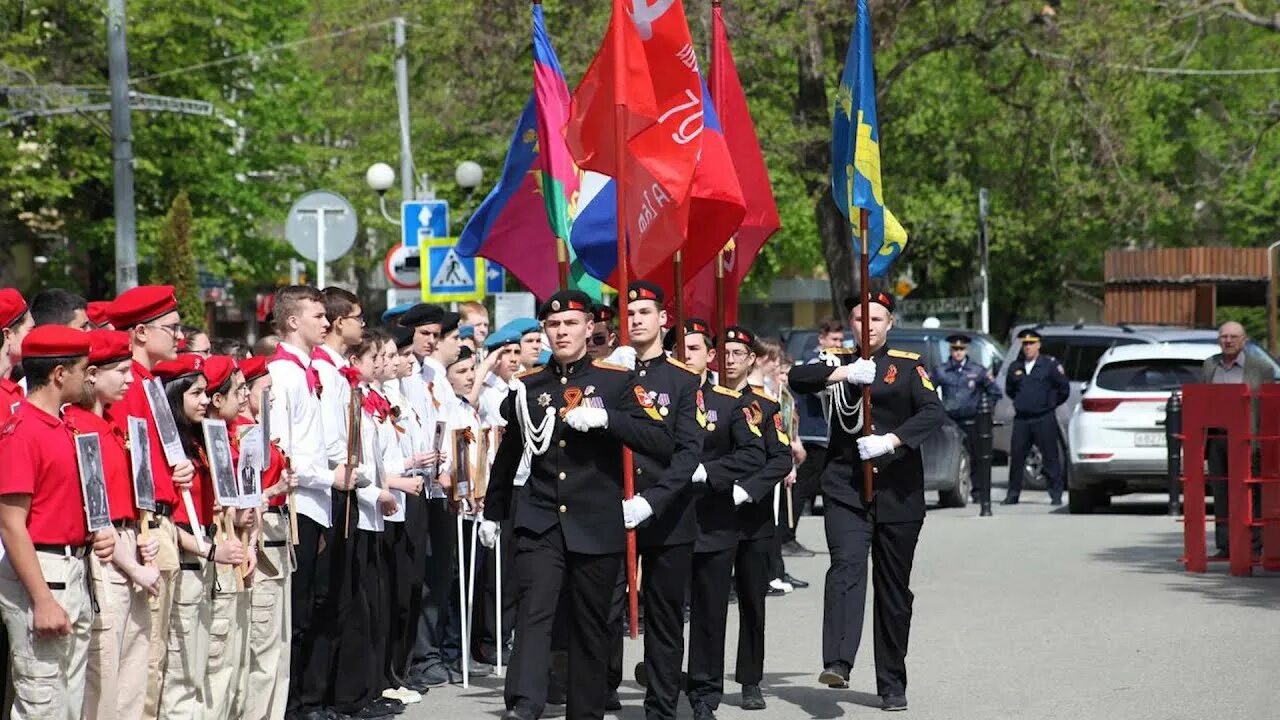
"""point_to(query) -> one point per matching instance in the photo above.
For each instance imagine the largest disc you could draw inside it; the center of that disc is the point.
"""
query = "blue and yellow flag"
(855, 151)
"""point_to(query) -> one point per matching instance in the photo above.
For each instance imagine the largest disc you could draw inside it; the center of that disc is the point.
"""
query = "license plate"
(1149, 440)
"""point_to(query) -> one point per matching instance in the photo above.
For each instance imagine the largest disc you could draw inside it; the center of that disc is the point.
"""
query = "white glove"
(700, 475)
(873, 446)
(583, 419)
(861, 372)
(489, 532)
(635, 511)
(740, 496)
(624, 355)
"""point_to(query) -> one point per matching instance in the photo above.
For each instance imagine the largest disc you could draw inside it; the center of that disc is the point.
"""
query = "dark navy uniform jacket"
(1039, 392)
(672, 390)
(732, 450)
(903, 402)
(755, 518)
(962, 385)
(577, 482)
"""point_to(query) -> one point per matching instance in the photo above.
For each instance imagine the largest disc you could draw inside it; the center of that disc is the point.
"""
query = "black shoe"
(701, 711)
(751, 698)
(792, 548)
(1055, 501)
(475, 670)
(373, 711)
(775, 592)
(416, 684)
(433, 676)
(796, 583)
(613, 703)
(893, 703)
(835, 675)
(641, 674)
(1009, 501)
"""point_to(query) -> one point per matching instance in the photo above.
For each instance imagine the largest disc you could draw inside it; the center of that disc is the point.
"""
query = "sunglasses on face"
(598, 340)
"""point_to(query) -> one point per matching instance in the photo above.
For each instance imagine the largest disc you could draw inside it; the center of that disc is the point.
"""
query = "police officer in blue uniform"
(1037, 384)
(963, 382)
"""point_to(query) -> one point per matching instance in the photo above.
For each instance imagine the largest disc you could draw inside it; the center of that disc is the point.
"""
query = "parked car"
(1116, 435)
(1079, 347)
(946, 462)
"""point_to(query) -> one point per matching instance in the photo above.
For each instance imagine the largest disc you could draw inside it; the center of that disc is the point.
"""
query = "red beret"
(55, 341)
(253, 368)
(12, 306)
(97, 311)
(217, 368)
(185, 365)
(109, 346)
(142, 304)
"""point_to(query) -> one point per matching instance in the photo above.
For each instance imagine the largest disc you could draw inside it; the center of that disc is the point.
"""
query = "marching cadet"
(603, 339)
(732, 451)
(117, 665)
(569, 420)
(752, 496)
(1037, 385)
(44, 596)
(904, 411)
(149, 313)
(226, 675)
(15, 322)
(662, 509)
(297, 425)
(963, 382)
(183, 687)
(270, 631)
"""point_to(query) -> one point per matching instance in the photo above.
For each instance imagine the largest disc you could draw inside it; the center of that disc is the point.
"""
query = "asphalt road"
(1031, 614)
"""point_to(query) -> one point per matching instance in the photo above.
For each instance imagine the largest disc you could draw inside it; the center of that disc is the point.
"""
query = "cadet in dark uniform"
(569, 419)
(665, 508)
(963, 382)
(904, 411)
(1037, 385)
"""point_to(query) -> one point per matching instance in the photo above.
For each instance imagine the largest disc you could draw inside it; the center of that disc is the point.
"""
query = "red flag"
(761, 219)
(647, 69)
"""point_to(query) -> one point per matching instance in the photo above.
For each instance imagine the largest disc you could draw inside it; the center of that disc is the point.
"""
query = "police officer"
(1037, 384)
(665, 491)
(963, 382)
(569, 420)
(904, 411)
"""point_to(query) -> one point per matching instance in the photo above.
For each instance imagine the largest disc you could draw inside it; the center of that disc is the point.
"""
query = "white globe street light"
(469, 175)
(380, 177)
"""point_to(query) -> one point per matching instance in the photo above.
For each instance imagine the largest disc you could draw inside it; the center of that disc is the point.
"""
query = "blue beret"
(500, 338)
(466, 331)
(395, 312)
(520, 326)
(544, 357)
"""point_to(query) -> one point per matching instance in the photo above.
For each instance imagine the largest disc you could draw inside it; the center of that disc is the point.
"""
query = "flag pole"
(720, 319)
(678, 266)
(865, 344)
(628, 471)
(562, 262)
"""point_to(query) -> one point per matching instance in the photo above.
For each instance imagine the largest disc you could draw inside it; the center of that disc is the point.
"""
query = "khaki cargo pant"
(119, 642)
(187, 655)
(161, 609)
(270, 624)
(48, 673)
(227, 673)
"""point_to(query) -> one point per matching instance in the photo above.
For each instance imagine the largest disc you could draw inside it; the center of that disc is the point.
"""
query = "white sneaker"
(408, 697)
(779, 584)
(392, 694)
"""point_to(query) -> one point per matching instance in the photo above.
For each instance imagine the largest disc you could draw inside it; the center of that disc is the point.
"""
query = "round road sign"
(399, 272)
(302, 226)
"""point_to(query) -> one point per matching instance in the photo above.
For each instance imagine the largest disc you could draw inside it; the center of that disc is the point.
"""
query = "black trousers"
(747, 567)
(313, 629)
(1043, 433)
(970, 430)
(808, 485)
(1216, 456)
(664, 582)
(354, 593)
(399, 621)
(484, 641)
(440, 574)
(543, 568)
(850, 533)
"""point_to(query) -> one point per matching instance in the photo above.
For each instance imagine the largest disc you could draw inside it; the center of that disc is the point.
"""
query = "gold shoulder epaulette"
(842, 350)
(904, 354)
(608, 365)
(530, 371)
(726, 391)
(763, 393)
(682, 366)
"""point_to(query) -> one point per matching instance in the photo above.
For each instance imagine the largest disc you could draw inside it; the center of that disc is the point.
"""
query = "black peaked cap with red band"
(878, 297)
(565, 300)
(645, 290)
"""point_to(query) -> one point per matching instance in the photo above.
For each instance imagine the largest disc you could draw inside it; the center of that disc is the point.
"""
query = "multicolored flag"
(855, 151)
(643, 86)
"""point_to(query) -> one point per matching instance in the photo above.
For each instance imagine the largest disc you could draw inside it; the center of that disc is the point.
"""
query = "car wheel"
(958, 495)
(1083, 501)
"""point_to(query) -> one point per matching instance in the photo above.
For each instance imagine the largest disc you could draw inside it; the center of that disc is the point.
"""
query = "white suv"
(1116, 438)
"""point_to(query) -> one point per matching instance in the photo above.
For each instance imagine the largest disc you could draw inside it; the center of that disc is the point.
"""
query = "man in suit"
(1232, 366)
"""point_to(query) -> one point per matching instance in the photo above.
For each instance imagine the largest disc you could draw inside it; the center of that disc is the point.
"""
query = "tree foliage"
(176, 262)
(1093, 125)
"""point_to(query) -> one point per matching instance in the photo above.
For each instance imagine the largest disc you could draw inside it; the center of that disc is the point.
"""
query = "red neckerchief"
(377, 405)
(351, 374)
(319, 354)
(313, 376)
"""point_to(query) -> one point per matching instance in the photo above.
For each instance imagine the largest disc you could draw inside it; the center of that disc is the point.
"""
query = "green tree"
(176, 262)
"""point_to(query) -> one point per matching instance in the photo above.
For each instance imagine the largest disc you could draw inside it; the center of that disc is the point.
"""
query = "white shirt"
(414, 388)
(1027, 365)
(333, 404)
(462, 416)
(369, 516)
(492, 395)
(296, 422)
(437, 380)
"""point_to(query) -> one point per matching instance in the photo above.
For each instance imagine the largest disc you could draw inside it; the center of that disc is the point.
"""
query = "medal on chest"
(664, 404)
(891, 375)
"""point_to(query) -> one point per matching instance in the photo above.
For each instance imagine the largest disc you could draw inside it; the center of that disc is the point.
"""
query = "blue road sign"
(447, 276)
(495, 278)
(423, 219)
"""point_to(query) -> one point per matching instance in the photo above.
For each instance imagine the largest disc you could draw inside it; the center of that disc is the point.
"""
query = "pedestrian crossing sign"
(448, 276)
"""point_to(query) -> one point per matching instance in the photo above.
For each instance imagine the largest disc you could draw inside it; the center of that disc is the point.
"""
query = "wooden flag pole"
(677, 265)
(562, 262)
(865, 345)
(721, 317)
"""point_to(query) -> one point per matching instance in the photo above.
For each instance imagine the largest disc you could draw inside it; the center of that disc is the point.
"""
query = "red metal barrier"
(1229, 409)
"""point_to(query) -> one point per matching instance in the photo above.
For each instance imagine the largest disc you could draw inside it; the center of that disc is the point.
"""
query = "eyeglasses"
(175, 329)
(360, 318)
(738, 354)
